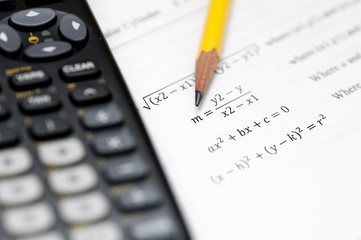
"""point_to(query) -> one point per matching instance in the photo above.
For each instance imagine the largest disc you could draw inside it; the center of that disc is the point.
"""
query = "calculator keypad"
(75, 163)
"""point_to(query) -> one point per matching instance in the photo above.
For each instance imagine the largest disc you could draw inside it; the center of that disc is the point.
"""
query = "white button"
(47, 236)
(61, 152)
(14, 161)
(73, 179)
(101, 231)
(20, 190)
(84, 209)
(33, 219)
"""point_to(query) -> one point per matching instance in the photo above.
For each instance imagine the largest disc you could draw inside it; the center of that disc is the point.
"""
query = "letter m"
(197, 119)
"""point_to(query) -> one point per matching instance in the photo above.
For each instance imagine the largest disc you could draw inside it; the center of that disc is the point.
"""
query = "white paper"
(273, 153)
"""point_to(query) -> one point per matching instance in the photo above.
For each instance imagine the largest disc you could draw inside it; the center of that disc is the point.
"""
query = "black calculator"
(75, 160)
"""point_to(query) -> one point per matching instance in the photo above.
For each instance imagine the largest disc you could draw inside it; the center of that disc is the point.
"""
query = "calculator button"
(155, 228)
(138, 198)
(84, 209)
(4, 112)
(20, 190)
(19, 222)
(72, 29)
(10, 41)
(30, 79)
(118, 141)
(101, 231)
(48, 50)
(48, 127)
(90, 93)
(32, 19)
(72, 180)
(40, 103)
(101, 116)
(79, 70)
(47, 236)
(125, 168)
(7, 136)
(14, 161)
(61, 152)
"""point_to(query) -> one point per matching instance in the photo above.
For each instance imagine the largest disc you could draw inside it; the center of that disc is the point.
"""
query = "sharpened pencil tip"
(198, 98)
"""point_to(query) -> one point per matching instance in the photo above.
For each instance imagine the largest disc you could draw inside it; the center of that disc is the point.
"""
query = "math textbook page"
(274, 150)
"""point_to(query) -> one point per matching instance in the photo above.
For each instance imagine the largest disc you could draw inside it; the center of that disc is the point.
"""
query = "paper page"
(273, 152)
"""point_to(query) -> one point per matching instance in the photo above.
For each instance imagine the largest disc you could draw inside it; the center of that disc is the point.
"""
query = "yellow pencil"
(211, 44)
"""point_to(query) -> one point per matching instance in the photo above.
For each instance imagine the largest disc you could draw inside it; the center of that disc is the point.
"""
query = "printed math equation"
(158, 97)
(265, 152)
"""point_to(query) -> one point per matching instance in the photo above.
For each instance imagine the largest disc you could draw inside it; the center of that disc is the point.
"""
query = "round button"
(72, 29)
(48, 50)
(32, 19)
(10, 41)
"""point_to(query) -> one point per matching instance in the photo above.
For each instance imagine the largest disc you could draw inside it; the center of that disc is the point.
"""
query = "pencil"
(211, 45)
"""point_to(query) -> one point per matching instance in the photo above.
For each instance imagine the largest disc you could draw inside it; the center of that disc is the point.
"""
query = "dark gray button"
(90, 93)
(30, 79)
(48, 127)
(32, 19)
(156, 228)
(7, 136)
(73, 29)
(10, 41)
(79, 70)
(138, 198)
(48, 50)
(102, 116)
(125, 168)
(40, 103)
(118, 141)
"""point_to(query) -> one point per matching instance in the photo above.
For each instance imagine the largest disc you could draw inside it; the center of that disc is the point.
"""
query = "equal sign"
(312, 126)
(276, 114)
(208, 113)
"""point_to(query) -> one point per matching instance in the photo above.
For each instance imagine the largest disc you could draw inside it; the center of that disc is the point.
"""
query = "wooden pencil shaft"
(211, 44)
(215, 26)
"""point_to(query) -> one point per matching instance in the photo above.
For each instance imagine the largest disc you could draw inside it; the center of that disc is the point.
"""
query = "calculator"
(75, 160)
